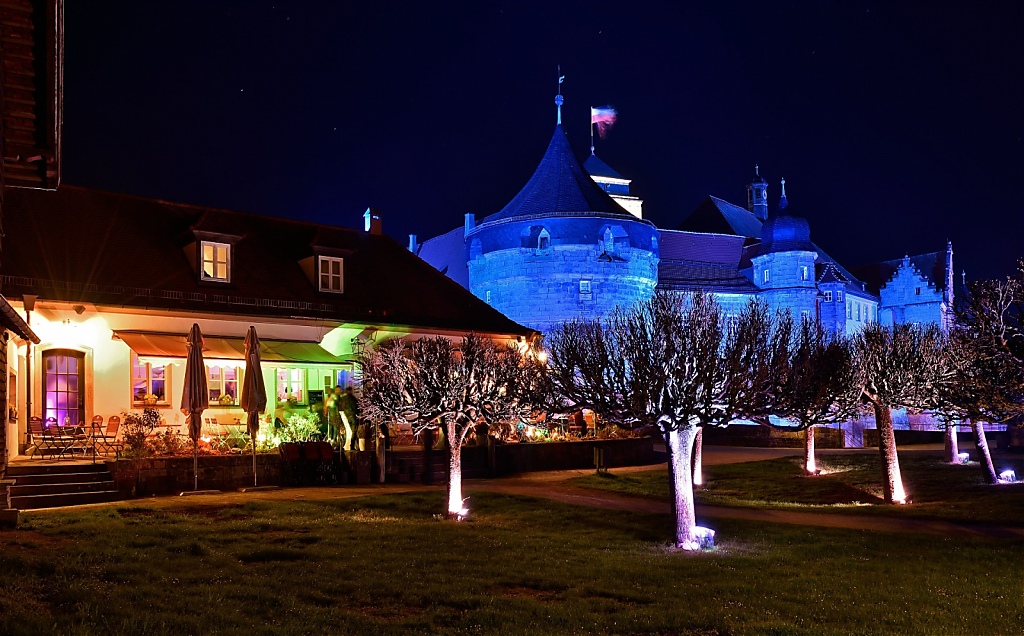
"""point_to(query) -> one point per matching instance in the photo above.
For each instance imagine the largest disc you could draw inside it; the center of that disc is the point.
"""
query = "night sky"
(896, 125)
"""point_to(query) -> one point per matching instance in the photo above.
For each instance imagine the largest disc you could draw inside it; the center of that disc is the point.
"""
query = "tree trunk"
(678, 444)
(698, 448)
(455, 500)
(809, 464)
(952, 452)
(984, 457)
(893, 482)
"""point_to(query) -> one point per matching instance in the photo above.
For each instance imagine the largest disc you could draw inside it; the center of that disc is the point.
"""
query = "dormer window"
(543, 240)
(828, 296)
(332, 277)
(803, 272)
(216, 261)
(767, 275)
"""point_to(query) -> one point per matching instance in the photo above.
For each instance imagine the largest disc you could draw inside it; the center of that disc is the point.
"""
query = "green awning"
(165, 345)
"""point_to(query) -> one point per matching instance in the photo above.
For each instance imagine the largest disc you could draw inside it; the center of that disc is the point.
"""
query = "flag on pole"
(603, 118)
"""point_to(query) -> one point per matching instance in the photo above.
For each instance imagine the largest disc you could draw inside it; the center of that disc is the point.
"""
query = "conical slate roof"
(596, 167)
(559, 186)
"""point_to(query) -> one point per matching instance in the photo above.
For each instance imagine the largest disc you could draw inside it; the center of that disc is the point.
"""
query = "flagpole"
(591, 130)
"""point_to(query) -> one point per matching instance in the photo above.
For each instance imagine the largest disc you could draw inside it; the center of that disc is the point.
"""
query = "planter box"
(168, 475)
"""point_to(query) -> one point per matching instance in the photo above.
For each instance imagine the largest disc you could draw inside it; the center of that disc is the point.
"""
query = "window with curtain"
(149, 383)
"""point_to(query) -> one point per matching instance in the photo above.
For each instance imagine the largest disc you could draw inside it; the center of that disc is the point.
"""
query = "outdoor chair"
(292, 466)
(44, 439)
(106, 440)
(213, 431)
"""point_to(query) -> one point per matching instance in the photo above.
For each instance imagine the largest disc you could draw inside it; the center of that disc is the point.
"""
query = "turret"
(757, 196)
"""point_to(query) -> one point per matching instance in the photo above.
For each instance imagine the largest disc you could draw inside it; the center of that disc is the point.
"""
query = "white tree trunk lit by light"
(698, 464)
(985, 457)
(679, 443)
(893, 486)
(952, 451)
(456, 503)
(809, 464)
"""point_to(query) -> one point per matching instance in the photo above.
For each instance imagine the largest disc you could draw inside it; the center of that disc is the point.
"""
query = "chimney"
(372, 222)
(470, 223)
(413, 245)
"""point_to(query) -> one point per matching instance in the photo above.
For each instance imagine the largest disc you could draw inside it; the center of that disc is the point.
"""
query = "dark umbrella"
(195, 397)
(254, 392)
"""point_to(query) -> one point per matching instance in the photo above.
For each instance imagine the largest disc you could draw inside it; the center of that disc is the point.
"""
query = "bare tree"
(901, 366)
(988, 381)
(659, 364)
(432, 384)
(824, 384)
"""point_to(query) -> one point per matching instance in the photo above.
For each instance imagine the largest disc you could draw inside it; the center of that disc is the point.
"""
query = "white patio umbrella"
(195, 396)
(254, 393)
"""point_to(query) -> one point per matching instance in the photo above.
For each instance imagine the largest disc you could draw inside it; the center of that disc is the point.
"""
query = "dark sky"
(896, 125)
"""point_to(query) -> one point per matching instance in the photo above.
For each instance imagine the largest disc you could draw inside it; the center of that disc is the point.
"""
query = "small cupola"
(757, 196)
(784, 232)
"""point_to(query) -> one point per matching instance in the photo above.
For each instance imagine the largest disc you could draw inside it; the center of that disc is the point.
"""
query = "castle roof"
(785, 233)
(559, 186)
(596, 167)
(931, 266)
(447, 253)
(715, 216)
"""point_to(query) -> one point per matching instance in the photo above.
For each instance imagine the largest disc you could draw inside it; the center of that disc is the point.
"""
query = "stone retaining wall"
(168, 475)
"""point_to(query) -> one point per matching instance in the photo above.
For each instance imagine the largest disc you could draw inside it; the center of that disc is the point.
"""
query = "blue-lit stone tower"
(784, 267)
(562, 248)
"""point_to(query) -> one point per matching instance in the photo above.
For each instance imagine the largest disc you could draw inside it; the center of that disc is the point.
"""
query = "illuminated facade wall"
(909, 298)
(544, 272)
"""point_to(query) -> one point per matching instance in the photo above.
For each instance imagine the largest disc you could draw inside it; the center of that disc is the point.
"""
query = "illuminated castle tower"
(784, 266)
(563, 248)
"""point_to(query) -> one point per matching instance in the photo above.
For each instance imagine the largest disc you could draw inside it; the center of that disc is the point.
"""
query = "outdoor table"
(72, 437)
(236, 435)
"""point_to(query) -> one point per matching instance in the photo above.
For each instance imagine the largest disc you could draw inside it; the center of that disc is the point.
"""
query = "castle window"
(487, 297)
(828, 296)
(331, 279)
(839, 296)
(858, 312)
(216, 259)
(767, 275)
(803, 272)
(849, 311)
(917, 291)
(585, 290)
(543, 240)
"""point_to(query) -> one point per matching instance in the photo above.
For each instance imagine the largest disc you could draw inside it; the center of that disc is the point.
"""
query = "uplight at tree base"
(1008, 476)
(811, 467)
(964, 458)
(703, 539)
(899, 496)
(698, 476)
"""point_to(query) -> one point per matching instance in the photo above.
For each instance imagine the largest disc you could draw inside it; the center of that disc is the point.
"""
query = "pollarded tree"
(432, 383)
(659, 364)
(988, 380)
(824, 384)
(902, 367)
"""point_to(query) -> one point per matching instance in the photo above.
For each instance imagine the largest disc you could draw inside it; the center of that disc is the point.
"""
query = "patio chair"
(106, 440)
(215, 432)
(44, 439)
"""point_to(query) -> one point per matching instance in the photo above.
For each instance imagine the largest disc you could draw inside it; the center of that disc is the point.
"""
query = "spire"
(757, 195)
(558, 98)
(783, 203)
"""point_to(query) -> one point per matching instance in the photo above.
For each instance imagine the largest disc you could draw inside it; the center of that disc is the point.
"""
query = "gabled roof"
(447, 254)
(83, 245)
(711, 277)
(931, 266)
(595, 167)
(828, 273)
(559, 186)
(716, 216)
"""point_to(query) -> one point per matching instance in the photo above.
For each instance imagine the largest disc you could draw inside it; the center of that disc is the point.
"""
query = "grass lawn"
(385, 565)
(850, 484)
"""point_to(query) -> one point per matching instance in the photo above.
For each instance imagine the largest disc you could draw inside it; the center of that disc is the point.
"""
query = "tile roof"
(695, 246)
(715, 216)
(82, 245)
(559, 186)
(712, 277)
(447, 254)
(596, 167)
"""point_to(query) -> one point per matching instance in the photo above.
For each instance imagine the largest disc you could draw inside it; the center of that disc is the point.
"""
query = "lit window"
(767, 275)
(584, 286)
(223, 384)
(291, 385)
(331, 278)
(828, 296)
(216, 261)
(803, 272)
(149, 383)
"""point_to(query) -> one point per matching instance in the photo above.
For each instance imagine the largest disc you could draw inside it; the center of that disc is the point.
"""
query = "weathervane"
(558, 98)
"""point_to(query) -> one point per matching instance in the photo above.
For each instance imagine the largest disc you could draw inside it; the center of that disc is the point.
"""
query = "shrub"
(301, 427)
(135, 428)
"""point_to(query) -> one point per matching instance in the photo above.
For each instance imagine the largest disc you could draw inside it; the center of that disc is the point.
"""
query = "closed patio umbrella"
(195, 396)
(254, 392)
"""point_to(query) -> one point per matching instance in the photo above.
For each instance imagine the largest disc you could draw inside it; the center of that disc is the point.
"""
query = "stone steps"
(51, 485)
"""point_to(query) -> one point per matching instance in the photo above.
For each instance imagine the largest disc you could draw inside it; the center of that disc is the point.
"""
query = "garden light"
(705, 537)
(963, 458)
(1008, 475)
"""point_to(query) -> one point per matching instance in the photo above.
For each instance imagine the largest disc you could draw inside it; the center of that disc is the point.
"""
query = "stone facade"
(909, 297)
